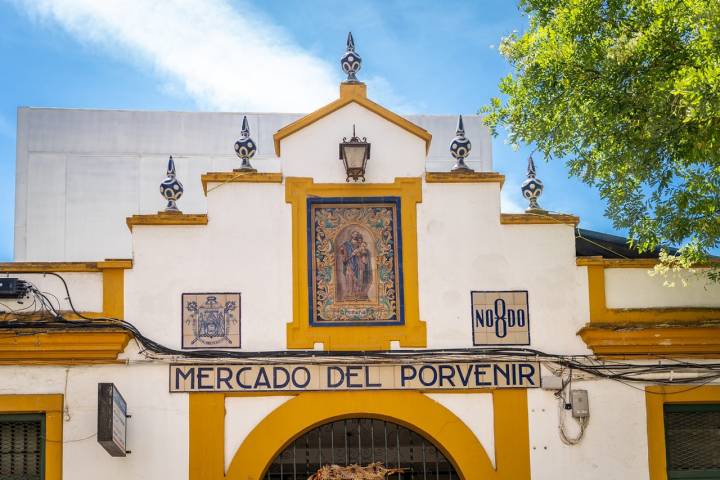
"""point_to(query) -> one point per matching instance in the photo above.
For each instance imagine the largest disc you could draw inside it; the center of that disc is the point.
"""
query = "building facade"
(292, 318)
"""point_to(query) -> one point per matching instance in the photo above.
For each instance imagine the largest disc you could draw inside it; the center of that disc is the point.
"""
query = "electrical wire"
(622, 372)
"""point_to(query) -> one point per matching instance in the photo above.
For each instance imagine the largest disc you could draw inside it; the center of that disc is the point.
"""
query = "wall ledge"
(162, 218)
(43, 346)
(651, 341)
(239, 177)
(81, 267)
(538, 218)
(465, 177)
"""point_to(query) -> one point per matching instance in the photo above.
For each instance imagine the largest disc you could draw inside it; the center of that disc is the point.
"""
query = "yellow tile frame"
(308, 410)
(51, 406)
(299, 333)
(655, 398)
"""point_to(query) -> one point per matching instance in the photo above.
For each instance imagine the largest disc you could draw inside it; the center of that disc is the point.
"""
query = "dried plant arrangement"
(374, 471)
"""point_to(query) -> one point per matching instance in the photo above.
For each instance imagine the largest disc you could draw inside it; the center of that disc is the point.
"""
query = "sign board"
(500, 318)
(318, 377)
(112, 420)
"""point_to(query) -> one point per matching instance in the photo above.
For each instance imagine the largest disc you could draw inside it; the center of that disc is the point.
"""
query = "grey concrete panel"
(101, 192)
(46, 194)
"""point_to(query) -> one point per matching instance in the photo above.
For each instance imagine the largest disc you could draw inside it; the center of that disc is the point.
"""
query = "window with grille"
(22, 447)
(362, 441)
(692, 441)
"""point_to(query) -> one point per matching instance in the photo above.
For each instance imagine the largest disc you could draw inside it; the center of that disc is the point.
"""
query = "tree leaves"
(628, 93)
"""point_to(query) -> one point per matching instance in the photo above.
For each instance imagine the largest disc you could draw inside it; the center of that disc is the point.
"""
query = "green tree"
(628, 93)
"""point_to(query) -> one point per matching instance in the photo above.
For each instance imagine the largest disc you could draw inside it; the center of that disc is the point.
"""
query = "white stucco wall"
(157, 431)
(80, 173)
(615, 441)
(313, 151)
(86, 290)
(636, 288)
(462, 247)
(246, 248)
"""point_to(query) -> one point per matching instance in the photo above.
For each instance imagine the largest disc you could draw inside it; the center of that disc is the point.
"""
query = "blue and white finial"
(171, 189)
(532, 188)
(245, 147)
(351, 61)
(460, 148)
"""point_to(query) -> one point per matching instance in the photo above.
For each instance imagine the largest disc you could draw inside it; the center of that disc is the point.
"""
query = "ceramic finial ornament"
(532, 188)
(171, 189)
(245, 147)
(351, 61)
(460, 148)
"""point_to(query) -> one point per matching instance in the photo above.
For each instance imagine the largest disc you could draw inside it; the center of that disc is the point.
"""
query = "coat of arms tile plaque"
(210, 320)
(355, 261)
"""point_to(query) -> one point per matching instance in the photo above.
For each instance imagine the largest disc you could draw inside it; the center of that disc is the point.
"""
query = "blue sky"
(277, 55)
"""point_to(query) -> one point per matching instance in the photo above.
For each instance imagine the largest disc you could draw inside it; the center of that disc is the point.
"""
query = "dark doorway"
(362, 441)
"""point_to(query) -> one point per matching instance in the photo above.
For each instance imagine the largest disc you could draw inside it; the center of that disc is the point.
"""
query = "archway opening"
(362, 441)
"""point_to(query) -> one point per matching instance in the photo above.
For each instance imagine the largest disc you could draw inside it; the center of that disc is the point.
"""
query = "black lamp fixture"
(355, 153)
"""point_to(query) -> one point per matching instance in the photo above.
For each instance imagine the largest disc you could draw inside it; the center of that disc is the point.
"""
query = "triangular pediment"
(351, 93)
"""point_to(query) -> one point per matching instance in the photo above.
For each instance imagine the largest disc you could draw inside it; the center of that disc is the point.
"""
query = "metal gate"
(362, 441)
(692, 441)
(22, 447)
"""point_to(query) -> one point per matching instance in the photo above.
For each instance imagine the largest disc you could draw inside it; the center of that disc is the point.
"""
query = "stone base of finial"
(245, 170)
(461, 168)
(536, 211)
(353, 89)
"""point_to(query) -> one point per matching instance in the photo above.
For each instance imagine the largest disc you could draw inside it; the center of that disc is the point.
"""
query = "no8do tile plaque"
(500, 318)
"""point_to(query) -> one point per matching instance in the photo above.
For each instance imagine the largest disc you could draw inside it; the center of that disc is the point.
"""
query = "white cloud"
(224, 58)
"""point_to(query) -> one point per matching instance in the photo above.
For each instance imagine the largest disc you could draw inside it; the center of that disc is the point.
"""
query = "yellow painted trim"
(59, 267)
(353, 90)
(655, 398)
(206, 436)
(351, 93)
(599, 313)
(610, 341)
(51, 406)
(240, 177)
(619, 332)
(113, 292)
(163, 218)
(627, 262)
(40, 346)
(299, 333)
(538, 218)
(310, 409)
(113, 272)
(465, 177)
(616, 262)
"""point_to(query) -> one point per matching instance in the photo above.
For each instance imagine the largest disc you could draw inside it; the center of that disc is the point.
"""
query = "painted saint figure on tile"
(353, 259)
(354, 256)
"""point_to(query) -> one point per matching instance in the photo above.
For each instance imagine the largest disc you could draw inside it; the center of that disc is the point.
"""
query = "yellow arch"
(410, 408)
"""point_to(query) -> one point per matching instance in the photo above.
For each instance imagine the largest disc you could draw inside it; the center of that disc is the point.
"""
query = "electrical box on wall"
(580, 403)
